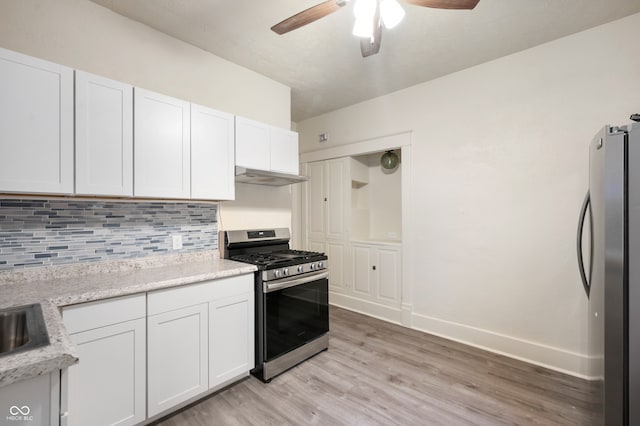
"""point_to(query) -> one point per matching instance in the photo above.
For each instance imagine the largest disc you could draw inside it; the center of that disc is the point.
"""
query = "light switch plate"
(176, 241)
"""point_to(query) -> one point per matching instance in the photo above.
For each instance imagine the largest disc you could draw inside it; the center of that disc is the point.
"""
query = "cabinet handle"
(374, 267)
(325, 198)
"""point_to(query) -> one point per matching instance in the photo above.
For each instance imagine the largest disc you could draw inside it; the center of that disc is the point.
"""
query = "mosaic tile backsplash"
(36, 233)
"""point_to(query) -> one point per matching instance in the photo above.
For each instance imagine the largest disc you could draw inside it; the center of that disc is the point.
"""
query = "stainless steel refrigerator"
(609, 266)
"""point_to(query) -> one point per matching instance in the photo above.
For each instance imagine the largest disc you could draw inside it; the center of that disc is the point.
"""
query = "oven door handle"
(286, 283)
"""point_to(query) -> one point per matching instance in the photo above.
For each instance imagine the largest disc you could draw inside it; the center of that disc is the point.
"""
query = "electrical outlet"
(176, 241)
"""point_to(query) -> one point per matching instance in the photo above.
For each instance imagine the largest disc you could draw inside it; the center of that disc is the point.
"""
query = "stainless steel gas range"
(292, 298)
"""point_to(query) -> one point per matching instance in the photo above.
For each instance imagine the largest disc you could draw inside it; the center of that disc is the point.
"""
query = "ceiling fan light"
(363, 27)
(391, 12)
(364, 9)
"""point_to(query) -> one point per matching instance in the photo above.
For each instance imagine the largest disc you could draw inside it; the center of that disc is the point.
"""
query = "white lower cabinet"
(177, 359)
(336, 252)
(143, 355)
(200, 336)
(107, 386)
(33, 402)
(231, 338)
(377, 272)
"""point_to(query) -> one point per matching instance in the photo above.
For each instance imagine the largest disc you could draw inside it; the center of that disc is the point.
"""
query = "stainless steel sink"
(22, 328)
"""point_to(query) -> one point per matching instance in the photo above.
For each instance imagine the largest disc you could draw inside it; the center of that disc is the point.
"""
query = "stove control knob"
(320, 265)
(285, 272)
(312, 266)
(276, 273)
(300, 269)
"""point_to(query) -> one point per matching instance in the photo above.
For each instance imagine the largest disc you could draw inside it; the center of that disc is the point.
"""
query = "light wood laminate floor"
(377, 373)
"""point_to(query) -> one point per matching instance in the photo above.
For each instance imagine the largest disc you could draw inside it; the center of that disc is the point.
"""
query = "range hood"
(264, 177)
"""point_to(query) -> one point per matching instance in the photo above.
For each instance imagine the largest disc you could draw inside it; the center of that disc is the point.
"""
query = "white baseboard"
(550, 357)
(407, 315)
(372, 309)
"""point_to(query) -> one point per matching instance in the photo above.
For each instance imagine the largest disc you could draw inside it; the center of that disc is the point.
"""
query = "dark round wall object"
(389, 160)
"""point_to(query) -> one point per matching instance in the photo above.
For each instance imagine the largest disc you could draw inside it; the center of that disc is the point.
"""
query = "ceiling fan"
(371, 15)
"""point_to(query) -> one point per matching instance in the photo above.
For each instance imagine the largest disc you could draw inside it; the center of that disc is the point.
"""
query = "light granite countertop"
(54, 288)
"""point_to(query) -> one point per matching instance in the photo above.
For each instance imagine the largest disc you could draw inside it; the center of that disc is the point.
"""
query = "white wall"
(500, 165)
(381, 198)
(84, 35)
(385, 218)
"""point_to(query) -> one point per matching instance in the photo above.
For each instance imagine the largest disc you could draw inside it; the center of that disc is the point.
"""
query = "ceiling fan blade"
(444, 4)
(308, 16)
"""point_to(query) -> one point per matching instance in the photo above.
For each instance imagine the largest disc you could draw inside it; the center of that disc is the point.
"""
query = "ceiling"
(321, 62)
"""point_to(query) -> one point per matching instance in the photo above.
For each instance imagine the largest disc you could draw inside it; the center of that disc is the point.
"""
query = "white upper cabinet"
(284, 151)
(212, 154)
(162, 146)
(263, 147)
(104, 136)
(36, 125)
(253, 147)
(156, 147)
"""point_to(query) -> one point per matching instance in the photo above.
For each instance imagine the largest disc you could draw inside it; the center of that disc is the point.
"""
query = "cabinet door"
(363, 273)
(36, 125)
(318, 246)
(212, 154)
(107, 386)
(161, 146)
(284, 151)
(336, 254)
(337, 184)
(36, 399)
(177, 357)
(316, 200)
(231, 343)
(389, 279)
(253, 147)
(104, 136)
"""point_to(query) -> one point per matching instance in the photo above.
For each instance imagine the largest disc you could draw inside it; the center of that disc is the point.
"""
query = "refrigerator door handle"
(583, 215)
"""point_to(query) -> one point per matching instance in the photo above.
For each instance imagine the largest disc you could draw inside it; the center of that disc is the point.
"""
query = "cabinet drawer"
(231, 286)
(87, 316)
(175, 298)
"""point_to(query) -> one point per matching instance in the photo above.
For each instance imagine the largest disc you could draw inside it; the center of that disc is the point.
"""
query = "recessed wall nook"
(353, 209)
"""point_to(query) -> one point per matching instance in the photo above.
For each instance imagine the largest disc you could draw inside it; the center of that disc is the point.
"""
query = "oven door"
(297, 311)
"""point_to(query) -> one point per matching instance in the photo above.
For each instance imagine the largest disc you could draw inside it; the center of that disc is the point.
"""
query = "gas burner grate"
(278, 257)
(257, 258)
